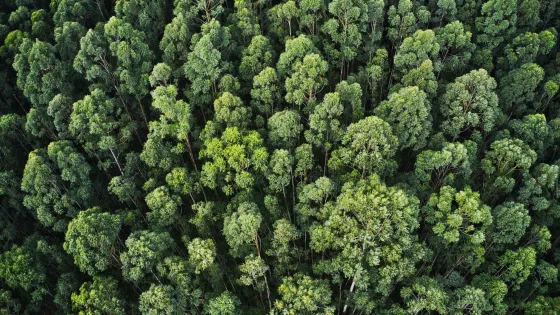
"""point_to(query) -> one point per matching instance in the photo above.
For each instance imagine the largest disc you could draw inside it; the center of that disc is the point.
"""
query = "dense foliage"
(279, 157)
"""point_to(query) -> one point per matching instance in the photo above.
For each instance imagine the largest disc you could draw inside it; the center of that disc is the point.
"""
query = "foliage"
(285, 157)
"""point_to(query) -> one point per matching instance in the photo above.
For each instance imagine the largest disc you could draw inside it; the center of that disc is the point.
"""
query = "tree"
(57, 185)
(446, 11)
(542, 305)
(455, 48)
(265, 93)
(60, 109)
(164, 207)
(161, 299)
(128, 74)
(351, 98)
(177, 272)
(8, 304)
(511, 219)
(281, 171)
(306, 80)
(226, 303)
(144, 15)
(528, 11)
(325, 129)
(205, 11)
(92, 59)
(422, 77)
(241, 229)
(65, 286)
(206, 61)
(525, 48)
(201, 253)
(462, 219)
(144, 250)
(256, 57)
(538, 190)
(312, 197)
(98, 297)
(505, 157)
(367, 146)
(496, 23)
(38, 72)
(76, 10)
(295, 50)
(90, 239)
(344, 31)
(20, 268)
(375, 249)
(114, 57)
(284, 233)
(40, 24)
(310, 13)
(285, 13)
(67, 45)
(103, 127)
(375, 20)
(470, 103)
(175, 41)
(203, 69)
(404, 21)
(534, 131)
(375, 74)
(514, 266)
(247, 24)
(425, 294)
(495, 290)
(169, 136)
(471, 299)
(230, 111)
(132, 54)
(284, 128)
(304, 160)
(450, 165)
(458, 214)
(518, 86)
(414, 50)
(408, 113)
(235, 160)
(302, 294)
(253, 269)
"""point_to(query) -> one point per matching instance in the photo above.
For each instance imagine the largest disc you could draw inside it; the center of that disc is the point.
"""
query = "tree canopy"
(279, 157)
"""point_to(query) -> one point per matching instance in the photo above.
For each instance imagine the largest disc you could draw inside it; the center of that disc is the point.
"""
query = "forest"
(281, 157)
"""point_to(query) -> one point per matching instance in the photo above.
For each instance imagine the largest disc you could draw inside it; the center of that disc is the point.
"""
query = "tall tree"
(368, 147)
(57, 185)
(373, 249)
(91, 238)
(408, 113)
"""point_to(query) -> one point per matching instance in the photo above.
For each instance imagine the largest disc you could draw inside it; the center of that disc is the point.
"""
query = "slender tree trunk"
(143, 113)
(116, 161)
(326, 159)
(191, 155)
(286, 202)
(353, 285)
(267, 292)
(293, 194)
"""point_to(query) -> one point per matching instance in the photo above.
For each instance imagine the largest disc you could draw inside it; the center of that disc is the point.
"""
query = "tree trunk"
(191, 155)
(353, 285)
(117, 161)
